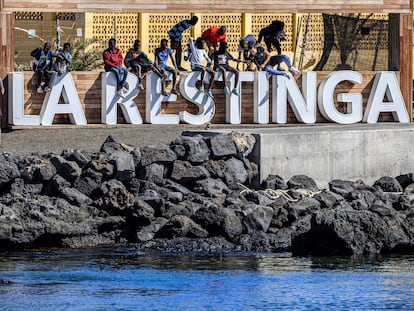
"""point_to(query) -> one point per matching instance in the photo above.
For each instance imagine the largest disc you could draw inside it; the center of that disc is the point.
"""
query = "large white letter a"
(62, 85)
(386, 85)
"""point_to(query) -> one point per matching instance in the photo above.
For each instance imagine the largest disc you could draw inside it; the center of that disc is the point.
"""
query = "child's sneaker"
(235, 92)
(226, 90)
(39, 90)
(210, 94)
(47, 89)
(294, 70)
(174, 91)
(201, 89)
(140, 86)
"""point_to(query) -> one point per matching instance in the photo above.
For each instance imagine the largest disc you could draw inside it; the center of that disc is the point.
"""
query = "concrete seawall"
(326, 152)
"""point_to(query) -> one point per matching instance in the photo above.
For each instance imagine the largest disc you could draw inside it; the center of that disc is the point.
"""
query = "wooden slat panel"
(406, 60)
(6, 55)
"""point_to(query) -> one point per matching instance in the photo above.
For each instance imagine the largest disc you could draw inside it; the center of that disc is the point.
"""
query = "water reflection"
(122, 279)
(124, 258)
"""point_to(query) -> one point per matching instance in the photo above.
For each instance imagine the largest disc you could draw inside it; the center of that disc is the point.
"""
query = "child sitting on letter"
(221, 62)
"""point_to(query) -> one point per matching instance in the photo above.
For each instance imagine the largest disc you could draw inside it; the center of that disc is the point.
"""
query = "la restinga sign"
(284, 91)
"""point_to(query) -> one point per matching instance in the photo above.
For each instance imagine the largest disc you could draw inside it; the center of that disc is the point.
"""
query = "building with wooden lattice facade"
(150, 28)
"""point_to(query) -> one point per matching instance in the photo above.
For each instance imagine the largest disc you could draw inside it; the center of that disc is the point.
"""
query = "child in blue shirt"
(176, 33)
(162, 53)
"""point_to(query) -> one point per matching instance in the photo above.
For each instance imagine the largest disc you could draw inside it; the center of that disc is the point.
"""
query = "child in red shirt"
(212, 36)
(112, 58)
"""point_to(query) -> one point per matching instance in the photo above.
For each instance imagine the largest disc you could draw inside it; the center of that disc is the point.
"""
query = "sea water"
(124, 279)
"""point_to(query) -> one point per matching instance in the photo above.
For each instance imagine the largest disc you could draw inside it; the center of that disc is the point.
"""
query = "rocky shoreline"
(196, 194)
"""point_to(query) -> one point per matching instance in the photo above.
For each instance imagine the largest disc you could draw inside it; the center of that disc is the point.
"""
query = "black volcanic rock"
(195, 194)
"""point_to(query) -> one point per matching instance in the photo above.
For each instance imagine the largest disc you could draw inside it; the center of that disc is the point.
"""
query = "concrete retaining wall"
(326, 152)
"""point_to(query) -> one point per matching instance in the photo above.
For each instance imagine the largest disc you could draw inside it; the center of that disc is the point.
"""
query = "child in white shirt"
(198, 56)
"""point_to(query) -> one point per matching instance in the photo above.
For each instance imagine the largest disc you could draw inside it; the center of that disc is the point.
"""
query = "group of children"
(215, 59)
(138, 62)
(43, 64)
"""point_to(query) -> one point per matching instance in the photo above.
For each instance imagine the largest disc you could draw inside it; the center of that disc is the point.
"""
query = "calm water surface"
(122, 279)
